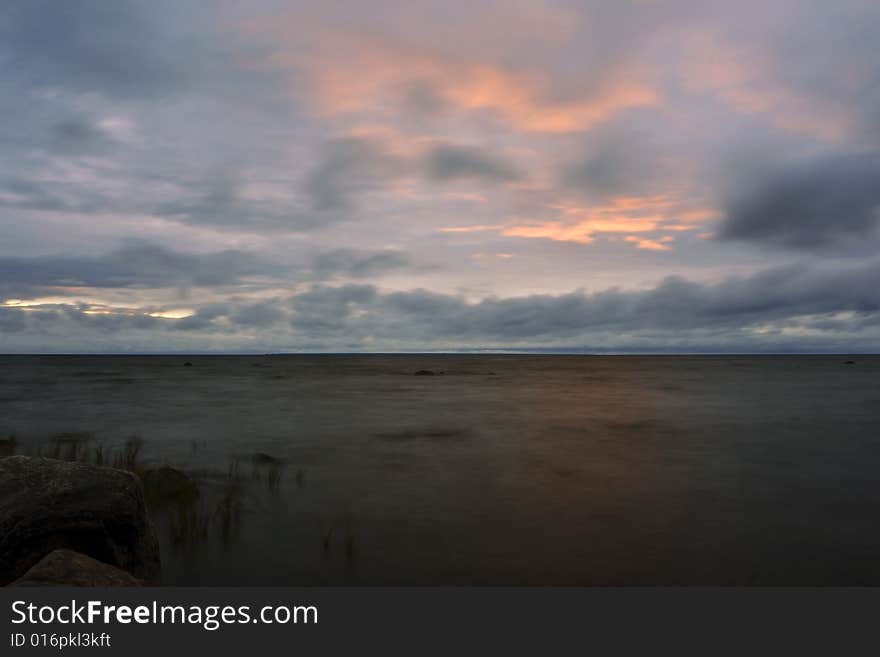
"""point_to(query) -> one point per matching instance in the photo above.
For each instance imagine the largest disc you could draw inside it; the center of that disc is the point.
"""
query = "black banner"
(414, 621)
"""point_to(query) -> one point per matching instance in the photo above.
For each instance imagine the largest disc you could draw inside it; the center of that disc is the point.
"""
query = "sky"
(268, 176)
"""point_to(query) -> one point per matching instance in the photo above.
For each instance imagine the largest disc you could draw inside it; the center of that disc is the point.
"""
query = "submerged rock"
(69, 568)
(8, 446)
(187, 364)
(261, 458)
(166, 485)
(100, 512)
(424, 373)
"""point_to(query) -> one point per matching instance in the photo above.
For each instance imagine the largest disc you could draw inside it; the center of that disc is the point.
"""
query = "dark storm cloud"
(825, 202)
(450, 162)
(137, 264)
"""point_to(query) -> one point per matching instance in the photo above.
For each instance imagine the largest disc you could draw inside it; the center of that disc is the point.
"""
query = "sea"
(436, 469)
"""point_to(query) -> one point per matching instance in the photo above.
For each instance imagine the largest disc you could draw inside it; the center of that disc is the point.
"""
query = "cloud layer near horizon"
(332, 176)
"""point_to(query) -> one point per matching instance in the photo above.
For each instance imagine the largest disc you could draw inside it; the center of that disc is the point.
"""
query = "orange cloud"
(480, 228)
(623, 215)
(347, 73)
(580, 224)
(661, 244)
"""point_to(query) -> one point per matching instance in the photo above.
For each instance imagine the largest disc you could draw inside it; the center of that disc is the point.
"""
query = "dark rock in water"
(69, 568)
(261, 458)
(424, 373)
(850, 362)
(166, 485)
(187, 364)
(47, 504)
(8, 446)
(72, 437)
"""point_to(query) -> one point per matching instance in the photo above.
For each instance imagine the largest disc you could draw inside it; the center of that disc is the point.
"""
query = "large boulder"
(69, 568)
(100, 512)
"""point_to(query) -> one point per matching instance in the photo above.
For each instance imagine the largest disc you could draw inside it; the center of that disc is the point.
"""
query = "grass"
(128, 457)
(188, 523)
(190, 510)
(344, 530)
(273, 478)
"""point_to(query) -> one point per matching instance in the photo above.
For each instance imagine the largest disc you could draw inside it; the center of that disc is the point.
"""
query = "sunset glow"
(323, 176)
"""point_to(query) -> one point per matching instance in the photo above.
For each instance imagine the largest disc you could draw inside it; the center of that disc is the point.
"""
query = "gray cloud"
(450, 162)
(135, 265)
(122, 49)
(825, 202)
(217, 201)
(616, 162)
(349, 167)
(145, 265)
(358, 264)
(790, 308)
(79, 135)
(231, 123)
(734, 308)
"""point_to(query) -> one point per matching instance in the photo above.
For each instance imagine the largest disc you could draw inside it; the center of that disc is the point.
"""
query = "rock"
(69, 568)
(850, 362)
(264, 459)
(423, 373)
(8, 446)
(187, 364)
(47, 504)
(165, 485)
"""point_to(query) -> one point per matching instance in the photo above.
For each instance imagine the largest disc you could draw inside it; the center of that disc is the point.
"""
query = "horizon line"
(476, 352)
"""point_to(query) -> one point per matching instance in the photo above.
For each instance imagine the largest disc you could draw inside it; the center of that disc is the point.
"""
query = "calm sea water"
(502, 470)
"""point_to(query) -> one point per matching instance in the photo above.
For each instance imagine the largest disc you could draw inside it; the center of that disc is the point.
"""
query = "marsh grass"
(194, 508)
(228, 513)
(70, 446)
(79, 447)
(350, 538)
(128, 457)
(326, 530)
(99, 454)
(188, 522)
(273, 478)
(341, 532)
(234, 470)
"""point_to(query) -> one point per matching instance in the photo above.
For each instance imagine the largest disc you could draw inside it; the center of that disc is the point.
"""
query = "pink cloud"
(341, 72)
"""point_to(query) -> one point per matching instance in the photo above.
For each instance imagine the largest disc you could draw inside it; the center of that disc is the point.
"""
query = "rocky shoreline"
(74, 524)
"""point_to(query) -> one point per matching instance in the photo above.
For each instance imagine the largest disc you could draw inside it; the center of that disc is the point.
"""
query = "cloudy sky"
(269, 175)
